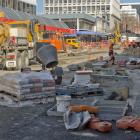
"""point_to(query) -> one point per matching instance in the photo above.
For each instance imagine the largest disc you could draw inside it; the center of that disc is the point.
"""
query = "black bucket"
(47, 54)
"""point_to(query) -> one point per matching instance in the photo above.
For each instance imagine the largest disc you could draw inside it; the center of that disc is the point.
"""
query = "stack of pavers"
(27, 86)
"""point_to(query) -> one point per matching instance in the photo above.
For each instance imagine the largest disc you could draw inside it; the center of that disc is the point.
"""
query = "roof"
(18, 15)
(71, 16)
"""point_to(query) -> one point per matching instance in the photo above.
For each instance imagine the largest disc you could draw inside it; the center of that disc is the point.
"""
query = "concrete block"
(82, 77)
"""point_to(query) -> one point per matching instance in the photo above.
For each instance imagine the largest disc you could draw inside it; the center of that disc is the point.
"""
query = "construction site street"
(33, 123)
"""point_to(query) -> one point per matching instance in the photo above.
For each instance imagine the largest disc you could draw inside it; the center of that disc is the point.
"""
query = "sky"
(130, 1)
(40, 6)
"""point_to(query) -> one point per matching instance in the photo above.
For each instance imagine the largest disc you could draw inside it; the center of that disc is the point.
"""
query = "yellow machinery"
(72, 42)
(117, 35)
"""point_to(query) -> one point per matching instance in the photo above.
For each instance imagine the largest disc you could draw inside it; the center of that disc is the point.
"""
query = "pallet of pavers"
(27, 86)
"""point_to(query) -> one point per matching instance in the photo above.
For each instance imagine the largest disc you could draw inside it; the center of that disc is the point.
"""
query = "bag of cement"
(74, 120)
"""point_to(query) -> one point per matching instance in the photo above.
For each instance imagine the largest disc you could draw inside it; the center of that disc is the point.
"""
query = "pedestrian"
(58, 73)
(111, 54)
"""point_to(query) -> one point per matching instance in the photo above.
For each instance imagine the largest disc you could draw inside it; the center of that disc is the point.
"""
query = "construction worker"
(58, 73)
(111, 54)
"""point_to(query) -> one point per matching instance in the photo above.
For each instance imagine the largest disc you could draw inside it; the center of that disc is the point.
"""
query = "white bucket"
(63, 102)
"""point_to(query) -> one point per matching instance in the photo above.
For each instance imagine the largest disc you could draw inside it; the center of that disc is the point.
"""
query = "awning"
(89, 33)
(70, 35)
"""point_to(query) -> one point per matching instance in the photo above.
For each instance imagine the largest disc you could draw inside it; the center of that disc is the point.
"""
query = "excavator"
(59, 40)
(72, 41)
(117, 35)
(55, 38)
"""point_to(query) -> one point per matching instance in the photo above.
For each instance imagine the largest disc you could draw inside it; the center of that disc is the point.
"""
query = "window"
(60, 10)
(79, 8)
(98, 8)
(79, 2)
(47, 2)
(56, 9)
(108, 8)
(74, 9)
(51, 9)
(98, 1)
(69, 9)
(51, 2)
(103, 8)
(74, 1)
(88, 1)
(93, 9)
(103, 1)
(107, 1)
(46, 36)
(83, 2)
(47, 10)
(88, 9)
(65, 1)
(84, 8)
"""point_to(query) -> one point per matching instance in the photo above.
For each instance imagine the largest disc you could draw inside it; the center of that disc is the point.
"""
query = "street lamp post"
(104, 18)
(97, 19)
(96, 31)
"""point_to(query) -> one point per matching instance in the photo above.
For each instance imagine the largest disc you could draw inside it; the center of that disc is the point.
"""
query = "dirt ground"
(32, 123)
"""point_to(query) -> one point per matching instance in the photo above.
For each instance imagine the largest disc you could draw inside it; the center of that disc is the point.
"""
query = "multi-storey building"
(108, 9)
(130, 11)
(28, 6)
(135, 4)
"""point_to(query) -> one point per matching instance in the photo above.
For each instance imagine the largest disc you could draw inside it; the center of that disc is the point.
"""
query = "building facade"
(75, 21)
(132, 9)
(135, 4)
(107, 10)
(28, 6)
(132, 18)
